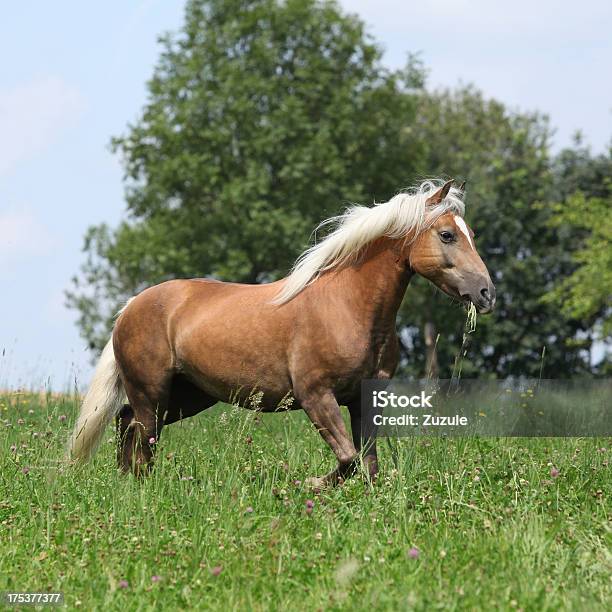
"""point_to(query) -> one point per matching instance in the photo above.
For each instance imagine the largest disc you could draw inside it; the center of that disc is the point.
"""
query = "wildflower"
(297, 483)
(155, 578)
(215, 571)
(20, 421)
(248, 510)
(26, 470)
(309, 503)
(151, 440)
(554, 472)
(61, 418)
(123, 584)
(414, 553)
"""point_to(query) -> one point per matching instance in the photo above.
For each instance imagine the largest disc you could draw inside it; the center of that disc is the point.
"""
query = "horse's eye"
(447, 236)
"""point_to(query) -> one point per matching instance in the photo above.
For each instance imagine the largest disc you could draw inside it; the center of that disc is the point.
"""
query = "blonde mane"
(359, 225)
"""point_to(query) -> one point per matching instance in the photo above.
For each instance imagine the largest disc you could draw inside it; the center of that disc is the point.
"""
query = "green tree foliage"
(587, 292)
(584, 214)
(576, 169)
(263, 118)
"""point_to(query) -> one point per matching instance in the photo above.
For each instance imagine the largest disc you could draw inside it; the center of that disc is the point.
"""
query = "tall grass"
(224, 522)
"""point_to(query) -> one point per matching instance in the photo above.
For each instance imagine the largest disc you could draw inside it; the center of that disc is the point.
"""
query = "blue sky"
(73, 75)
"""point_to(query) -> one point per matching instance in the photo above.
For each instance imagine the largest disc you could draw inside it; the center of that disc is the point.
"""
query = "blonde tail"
(102, 402)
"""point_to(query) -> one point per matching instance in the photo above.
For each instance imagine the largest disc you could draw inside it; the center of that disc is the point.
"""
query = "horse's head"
(445, 254)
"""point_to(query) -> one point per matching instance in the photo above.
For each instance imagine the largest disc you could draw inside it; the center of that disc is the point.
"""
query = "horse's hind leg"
(139, 427)
(138, 435)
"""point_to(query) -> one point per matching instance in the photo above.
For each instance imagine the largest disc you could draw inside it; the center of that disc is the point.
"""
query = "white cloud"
(22, 236)
(33, 115)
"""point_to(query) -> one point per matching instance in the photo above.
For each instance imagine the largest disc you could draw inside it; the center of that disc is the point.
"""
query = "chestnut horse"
(179, 347)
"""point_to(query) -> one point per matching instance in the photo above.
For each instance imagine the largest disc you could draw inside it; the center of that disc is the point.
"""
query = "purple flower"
(297, 483)
(248, 510)
(61, 417)
(151, 440)
(215, 571)
(554, 472)
(123, 584)
(414, 553)
(155, 578)
(26, 470)
(309, 503)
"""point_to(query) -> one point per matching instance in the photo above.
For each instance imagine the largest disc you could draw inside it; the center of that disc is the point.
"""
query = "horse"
(180, 347)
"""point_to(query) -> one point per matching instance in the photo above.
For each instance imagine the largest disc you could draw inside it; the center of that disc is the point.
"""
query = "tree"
(266, 116)
(504, 157)
(587, 292)
(583, 212)
(263, 117)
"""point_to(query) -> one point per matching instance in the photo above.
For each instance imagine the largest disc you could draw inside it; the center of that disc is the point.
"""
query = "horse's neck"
(375, 286)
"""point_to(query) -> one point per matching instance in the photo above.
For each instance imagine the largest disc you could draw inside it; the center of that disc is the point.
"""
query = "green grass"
(493, 528)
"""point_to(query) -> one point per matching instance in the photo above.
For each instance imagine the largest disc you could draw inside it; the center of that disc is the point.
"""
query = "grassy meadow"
(226, 523)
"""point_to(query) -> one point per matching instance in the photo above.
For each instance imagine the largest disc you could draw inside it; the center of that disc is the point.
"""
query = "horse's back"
(196, 295)
(223, 336)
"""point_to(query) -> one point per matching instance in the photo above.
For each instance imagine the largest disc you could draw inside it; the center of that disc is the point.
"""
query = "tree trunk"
(431, 353)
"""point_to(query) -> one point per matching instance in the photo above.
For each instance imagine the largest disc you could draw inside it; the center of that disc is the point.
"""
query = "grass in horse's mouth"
(470, 323)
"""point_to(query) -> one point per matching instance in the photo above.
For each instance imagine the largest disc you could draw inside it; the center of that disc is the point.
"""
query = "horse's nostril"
(485, 294)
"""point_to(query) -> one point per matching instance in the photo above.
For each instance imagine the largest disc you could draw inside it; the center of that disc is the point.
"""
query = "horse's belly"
(236, 369)
(248, 386)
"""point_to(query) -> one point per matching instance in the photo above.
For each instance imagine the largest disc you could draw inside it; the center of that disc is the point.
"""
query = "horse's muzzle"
(486, 301)
(483, 298)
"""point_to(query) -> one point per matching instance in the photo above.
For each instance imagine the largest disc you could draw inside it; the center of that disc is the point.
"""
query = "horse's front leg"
(324, 412)
(364, 438)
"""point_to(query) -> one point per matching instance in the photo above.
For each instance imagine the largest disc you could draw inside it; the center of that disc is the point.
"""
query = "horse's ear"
(462, 187)
(437, 197)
